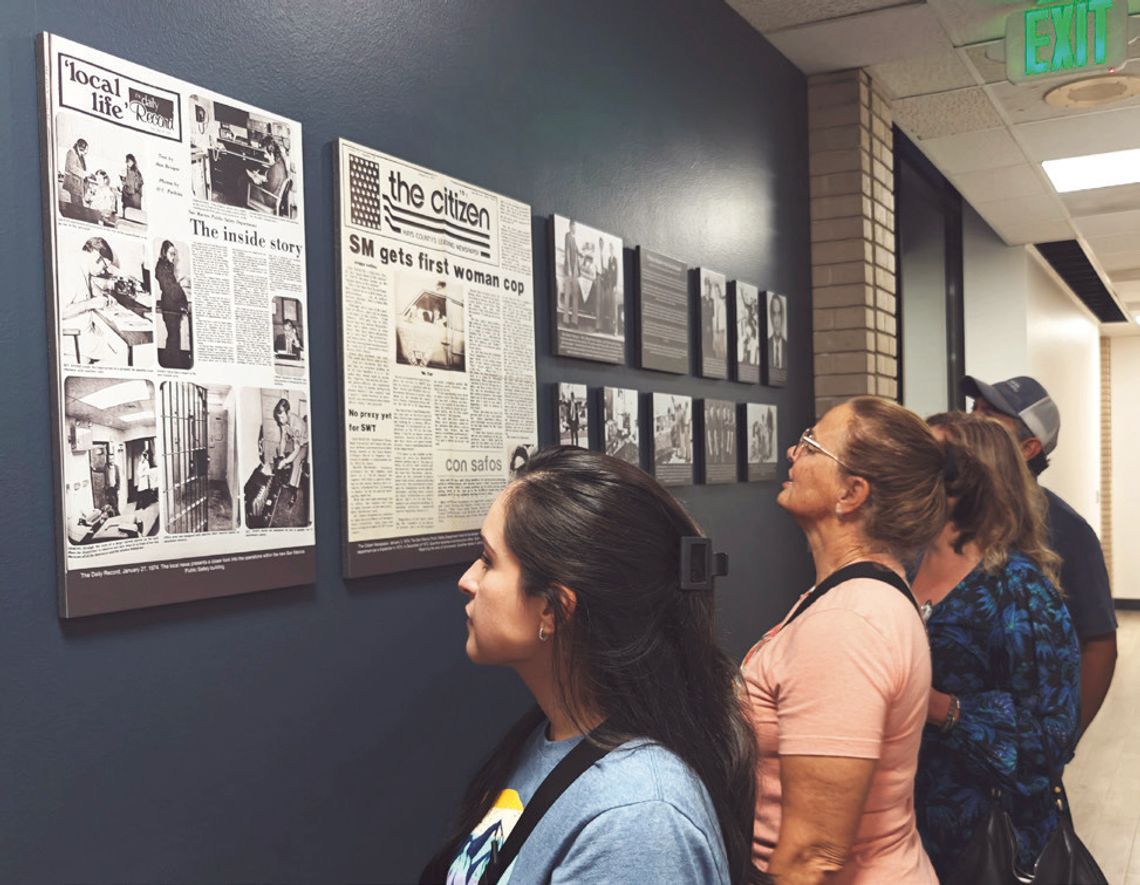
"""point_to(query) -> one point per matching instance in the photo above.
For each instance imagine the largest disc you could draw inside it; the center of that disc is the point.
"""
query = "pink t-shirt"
(849, 677)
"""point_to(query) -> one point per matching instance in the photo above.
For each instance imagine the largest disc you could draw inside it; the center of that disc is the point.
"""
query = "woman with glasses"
(1006, 666)
(838, 691)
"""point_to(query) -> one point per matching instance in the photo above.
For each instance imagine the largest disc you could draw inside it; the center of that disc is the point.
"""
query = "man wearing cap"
(1027, 410)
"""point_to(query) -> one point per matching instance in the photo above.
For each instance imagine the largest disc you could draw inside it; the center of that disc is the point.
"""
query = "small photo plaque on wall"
(663, 304)
(761, 441)
(775, 339)
(720, 441)
(572, 414)
(620, 436)
(589, 289)
(713, 318)
(747, 299)
(672, 439)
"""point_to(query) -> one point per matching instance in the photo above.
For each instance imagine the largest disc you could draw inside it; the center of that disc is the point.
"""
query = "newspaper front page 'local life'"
(179, 336)
(437, 353)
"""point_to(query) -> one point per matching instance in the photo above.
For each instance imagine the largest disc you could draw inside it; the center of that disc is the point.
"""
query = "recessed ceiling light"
(117, 394)
(1094, 170)
(1094, 92)
(140, 416)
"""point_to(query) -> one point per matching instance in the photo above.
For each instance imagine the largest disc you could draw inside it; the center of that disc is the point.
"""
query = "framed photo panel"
(672, 438)
(720, 441)
(775, 339)
(747, 298)
(572, 415)
(620, 424)
(761, 441)
(589, 289)
(713, 301)
(663, 305)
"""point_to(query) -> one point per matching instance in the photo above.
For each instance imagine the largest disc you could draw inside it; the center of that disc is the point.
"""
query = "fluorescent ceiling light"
(1094, 170)
(117, 394)
(141, 416)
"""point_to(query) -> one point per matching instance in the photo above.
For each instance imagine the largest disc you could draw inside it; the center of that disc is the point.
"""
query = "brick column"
(1106, 452)
(852, 239)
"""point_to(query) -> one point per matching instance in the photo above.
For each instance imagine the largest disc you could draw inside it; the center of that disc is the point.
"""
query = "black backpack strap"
(572, 765)
(872, 570)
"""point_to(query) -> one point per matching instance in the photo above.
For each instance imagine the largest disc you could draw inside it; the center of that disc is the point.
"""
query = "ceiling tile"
(1112, 223)
(1098, 201)
(1121, 241)
(1111, 261)
(971, 151)
(975, 21)
(1000, 184)
(1128, 275)
(946, 113)
(989, 61)
(1025, 103)
(1115, 130)
(772, 15)
(862, 40)
(1024, 213)
(940, 72)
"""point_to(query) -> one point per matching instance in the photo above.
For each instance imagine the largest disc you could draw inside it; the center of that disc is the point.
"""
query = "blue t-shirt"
(639, 814)
(1084, 578)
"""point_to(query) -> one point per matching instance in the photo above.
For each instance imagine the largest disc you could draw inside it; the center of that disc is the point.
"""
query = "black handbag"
(990, 857)
(1065, 860)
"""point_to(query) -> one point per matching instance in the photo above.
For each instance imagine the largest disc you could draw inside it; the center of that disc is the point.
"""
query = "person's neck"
(564, 722)
(942, 567)
(835, 544)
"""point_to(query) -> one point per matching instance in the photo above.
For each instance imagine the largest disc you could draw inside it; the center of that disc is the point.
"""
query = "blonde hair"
(1013, 518)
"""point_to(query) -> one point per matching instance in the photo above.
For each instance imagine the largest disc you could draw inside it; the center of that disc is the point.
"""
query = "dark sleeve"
(1031, 717)
(1084, 576)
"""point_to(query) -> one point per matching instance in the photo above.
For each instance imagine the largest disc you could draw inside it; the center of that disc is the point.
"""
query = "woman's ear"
(856, 491)
(569, 602)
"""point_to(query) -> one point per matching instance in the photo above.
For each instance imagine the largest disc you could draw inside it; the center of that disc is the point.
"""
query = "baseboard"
(1127, 604)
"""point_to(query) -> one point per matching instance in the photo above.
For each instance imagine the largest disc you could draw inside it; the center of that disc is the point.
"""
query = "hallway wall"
(1125, 468)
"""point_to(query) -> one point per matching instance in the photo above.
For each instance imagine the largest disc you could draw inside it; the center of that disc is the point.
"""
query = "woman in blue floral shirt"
(1006, 665)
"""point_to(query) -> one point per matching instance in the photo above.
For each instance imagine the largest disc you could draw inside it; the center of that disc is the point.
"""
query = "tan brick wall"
(854, 331)
(1106, 451)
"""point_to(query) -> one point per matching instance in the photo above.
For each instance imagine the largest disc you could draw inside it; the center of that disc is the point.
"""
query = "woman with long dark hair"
(1006, 665)
(579, 590)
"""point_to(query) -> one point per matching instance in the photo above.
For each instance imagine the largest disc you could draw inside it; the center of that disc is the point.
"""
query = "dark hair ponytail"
(638, 650)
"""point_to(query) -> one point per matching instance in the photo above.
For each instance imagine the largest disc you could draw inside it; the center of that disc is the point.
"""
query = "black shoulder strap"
(871, 570)
(567, 771)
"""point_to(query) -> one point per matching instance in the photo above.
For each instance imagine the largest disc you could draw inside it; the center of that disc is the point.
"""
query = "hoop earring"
(542, 635)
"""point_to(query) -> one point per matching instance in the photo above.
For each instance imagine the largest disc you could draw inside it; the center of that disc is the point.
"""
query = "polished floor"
(1103, 780)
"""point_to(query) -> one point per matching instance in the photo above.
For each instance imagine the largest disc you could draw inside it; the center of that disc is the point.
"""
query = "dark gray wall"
(323, 733)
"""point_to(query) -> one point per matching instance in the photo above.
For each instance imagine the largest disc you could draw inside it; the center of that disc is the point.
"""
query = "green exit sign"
(1052, 39)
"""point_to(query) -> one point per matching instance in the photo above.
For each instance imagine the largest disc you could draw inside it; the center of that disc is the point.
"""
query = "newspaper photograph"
(438, 392)
(176, 293)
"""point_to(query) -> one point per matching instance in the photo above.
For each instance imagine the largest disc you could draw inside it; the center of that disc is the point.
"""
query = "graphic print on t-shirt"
(491, 833)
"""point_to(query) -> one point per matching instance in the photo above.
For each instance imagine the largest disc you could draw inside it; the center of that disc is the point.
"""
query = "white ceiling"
(942, 64)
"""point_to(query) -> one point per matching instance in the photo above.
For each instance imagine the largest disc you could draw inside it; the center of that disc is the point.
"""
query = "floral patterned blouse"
(1004, 644)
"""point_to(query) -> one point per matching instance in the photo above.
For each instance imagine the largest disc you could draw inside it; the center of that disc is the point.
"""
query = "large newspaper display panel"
(437, 353)
(176, 274)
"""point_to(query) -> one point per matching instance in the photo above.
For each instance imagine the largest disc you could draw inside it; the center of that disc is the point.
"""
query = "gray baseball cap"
(1023, 398)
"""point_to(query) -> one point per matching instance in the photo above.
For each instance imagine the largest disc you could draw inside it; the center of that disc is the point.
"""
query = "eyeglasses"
(807, 440)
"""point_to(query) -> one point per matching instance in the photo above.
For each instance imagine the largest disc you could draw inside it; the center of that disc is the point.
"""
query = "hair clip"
(699, 565)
